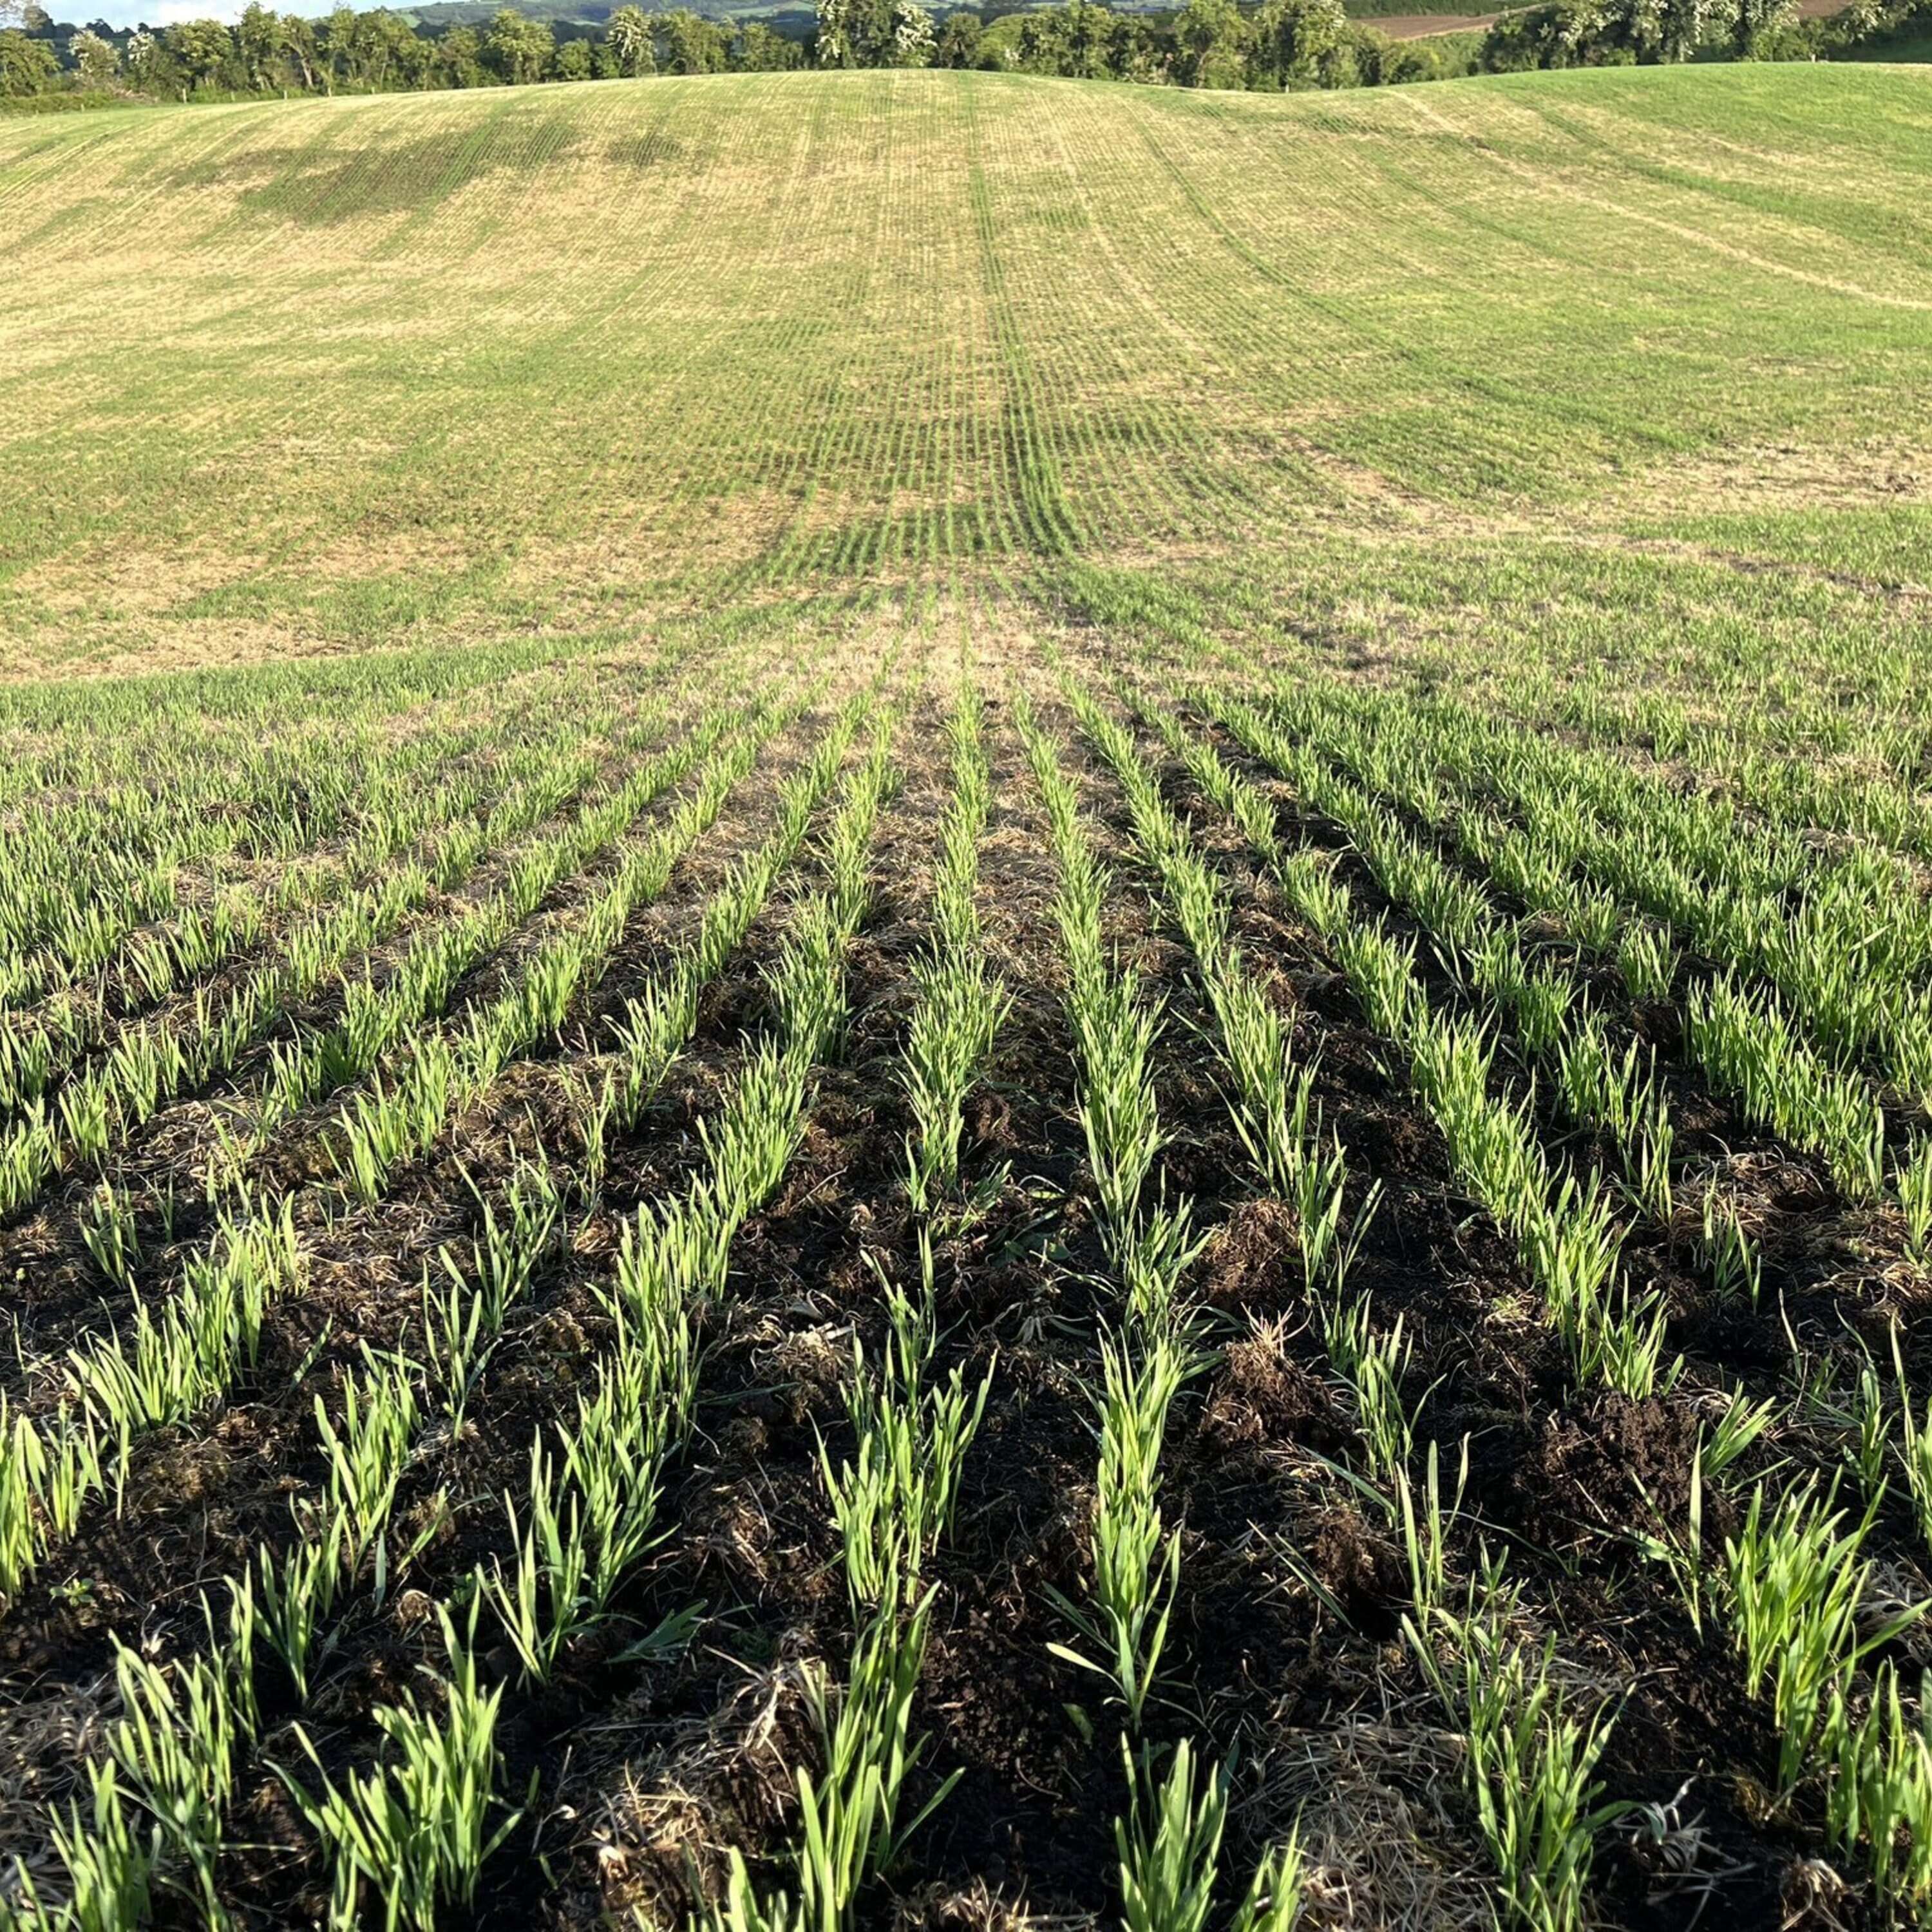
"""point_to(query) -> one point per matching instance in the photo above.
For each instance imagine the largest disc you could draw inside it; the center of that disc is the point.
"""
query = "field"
(936, 1001)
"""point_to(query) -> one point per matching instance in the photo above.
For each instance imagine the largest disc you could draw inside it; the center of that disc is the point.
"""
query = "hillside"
(931, 1003)
(355, 365)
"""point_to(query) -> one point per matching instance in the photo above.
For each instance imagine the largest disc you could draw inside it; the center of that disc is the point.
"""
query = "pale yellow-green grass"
(345, 373)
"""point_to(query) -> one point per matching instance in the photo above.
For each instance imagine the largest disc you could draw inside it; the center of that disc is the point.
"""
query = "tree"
(851, 33)
(1301, 43)
(1213, 39)
(1082, 39)
(628, 34)
(1757, 25)
(383, 51)
(1680, 28)
(687, 44)
(335, 42)
(573, 61)
(150, 67)
(520, 49)
(959, 40)
(1138, 53)
(911, 42)
(459, 55)
(299, 42)
(1566, 33)
(27, 66)
(261, 44)
(203, 51)
(1512, 45)
(762, 49)
(873, 33)
(96, 56)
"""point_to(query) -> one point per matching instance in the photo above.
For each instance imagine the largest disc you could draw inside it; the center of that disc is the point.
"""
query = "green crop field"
(931, 1003)
(360, 372)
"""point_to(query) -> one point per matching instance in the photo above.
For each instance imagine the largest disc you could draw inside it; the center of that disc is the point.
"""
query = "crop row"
(184, 1347)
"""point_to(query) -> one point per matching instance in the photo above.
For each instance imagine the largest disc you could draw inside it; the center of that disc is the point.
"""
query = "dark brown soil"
(1288, 1656)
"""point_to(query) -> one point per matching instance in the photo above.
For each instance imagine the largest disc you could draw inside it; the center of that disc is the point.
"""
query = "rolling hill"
(356, 368)
(932, 1002)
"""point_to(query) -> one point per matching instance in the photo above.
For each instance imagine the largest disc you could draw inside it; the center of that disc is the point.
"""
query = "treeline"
(1627, 33)
(1208, 43)
(1216, 43)
(377, 51)
(1281, 43)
